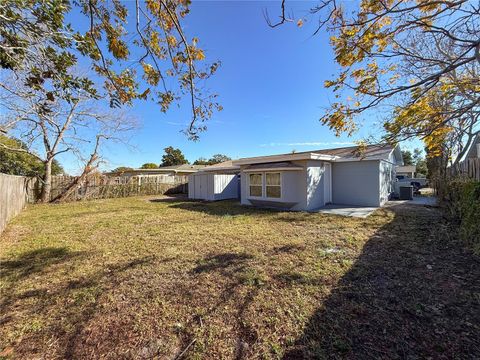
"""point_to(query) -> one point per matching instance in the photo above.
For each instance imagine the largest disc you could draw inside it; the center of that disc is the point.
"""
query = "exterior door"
(198, 187)
(328, 183)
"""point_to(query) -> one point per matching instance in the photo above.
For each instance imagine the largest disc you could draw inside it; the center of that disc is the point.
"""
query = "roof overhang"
(185, 171)
(225, 168)
(359, 158)
(280, 168)
(288, 157)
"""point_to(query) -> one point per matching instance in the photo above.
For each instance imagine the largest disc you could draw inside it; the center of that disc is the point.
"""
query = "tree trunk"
(47, 182)
(89, 167)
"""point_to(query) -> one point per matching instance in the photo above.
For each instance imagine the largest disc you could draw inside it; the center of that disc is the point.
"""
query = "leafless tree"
(56, 122)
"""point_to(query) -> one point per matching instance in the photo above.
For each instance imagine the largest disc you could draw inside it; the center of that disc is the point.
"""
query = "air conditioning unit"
(406, 192)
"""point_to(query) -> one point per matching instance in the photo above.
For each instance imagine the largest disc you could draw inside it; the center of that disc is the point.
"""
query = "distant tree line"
(174, 156)
(417, 159)
(22, 163)
(215, 159)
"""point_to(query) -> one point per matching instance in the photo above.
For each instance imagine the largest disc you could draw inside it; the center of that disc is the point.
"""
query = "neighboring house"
(181, 170)
(309, 180)
(169, 172)
(406, 170)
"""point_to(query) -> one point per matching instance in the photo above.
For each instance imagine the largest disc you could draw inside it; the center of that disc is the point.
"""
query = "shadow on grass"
(35, 261)
(60, 303)
(216, 208)
(236, 269)
(171, 199)
(411, 294)
(226, 208)
(221, 262)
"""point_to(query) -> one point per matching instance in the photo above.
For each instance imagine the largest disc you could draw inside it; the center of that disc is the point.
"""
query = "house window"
(273, 187)
(256, 185)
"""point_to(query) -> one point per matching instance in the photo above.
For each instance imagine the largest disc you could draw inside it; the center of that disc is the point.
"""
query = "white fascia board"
(371, 158)
(191, 171)
(323, 157)
(235, 168)
(278, 158)
(274, 169)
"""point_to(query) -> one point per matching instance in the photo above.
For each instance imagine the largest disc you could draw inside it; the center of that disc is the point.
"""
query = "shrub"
(463, 204)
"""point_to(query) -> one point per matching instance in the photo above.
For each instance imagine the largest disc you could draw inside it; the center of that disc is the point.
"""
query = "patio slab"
(347, 210)
(417, 200)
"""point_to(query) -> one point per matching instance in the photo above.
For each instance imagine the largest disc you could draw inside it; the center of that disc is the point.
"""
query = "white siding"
(212, 186)
(225, 186)
(200, 187)
(356, 183)
(191, 187)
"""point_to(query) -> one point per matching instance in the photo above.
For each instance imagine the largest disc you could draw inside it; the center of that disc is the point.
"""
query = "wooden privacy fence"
(17, 191)
(469, 168)
(13, 196)
(103, 187)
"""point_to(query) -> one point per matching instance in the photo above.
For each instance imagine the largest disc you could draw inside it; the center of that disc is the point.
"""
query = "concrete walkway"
(417, 200)
(363, 211)
(347, 210)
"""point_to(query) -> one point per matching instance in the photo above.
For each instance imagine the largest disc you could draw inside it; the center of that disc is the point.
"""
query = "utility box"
(406, 192)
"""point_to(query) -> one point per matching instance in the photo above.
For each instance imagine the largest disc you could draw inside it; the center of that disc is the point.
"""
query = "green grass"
(135, 278)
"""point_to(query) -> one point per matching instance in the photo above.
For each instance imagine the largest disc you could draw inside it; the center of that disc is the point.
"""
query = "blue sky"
(270, 85)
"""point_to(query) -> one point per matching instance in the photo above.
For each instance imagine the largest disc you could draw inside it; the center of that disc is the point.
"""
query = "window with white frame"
(255, 183)
(273, 186)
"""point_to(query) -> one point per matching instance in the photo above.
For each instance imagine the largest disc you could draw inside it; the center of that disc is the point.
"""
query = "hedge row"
(463, 204)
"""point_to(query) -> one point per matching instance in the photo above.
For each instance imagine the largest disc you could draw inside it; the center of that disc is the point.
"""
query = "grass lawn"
(162, 278)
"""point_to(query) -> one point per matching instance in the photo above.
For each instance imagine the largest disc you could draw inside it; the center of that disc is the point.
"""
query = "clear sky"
(270, 85)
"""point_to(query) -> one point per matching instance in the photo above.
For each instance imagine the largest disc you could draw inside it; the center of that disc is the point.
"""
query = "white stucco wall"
(356, 183)
(315, 179)
(294, 188)
(387, 180)
(363, 183)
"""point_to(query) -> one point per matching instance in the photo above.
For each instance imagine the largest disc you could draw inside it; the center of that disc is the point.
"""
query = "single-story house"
(309, 180)
(406, 170)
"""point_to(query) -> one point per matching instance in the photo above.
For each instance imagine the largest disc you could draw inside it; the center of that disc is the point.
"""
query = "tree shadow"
(62, 308)
(409, 295)
(222, 262)
(240, 284)
(35, 261)
(218, 208)
(173, 198)
(290, 248)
